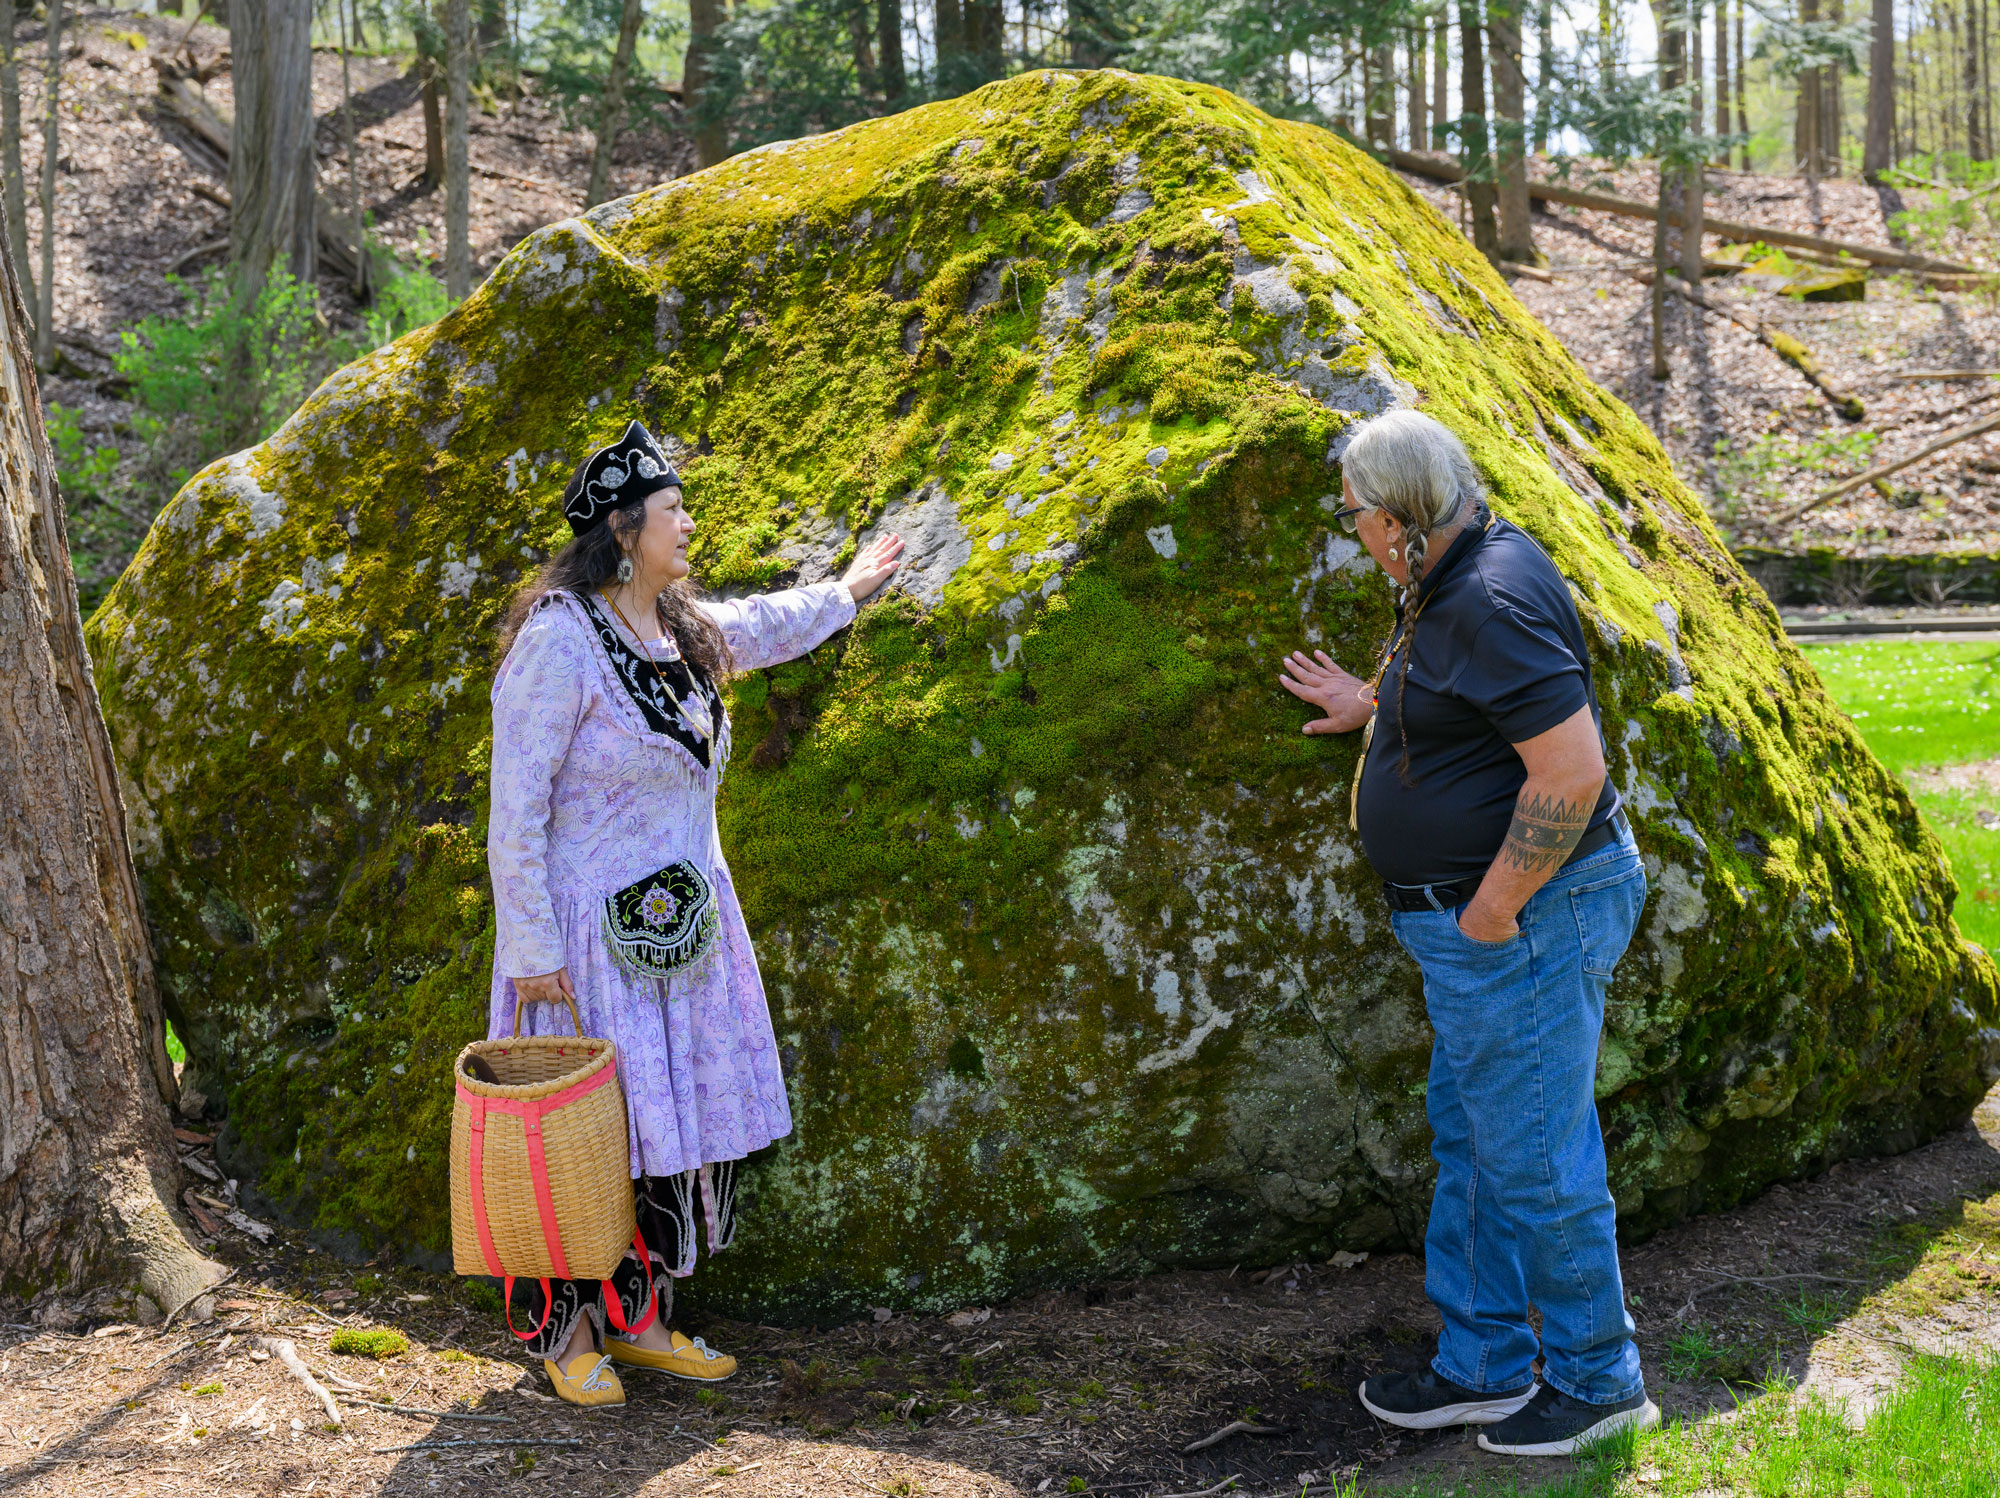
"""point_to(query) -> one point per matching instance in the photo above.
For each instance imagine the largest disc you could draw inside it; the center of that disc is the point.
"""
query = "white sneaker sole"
(1645, 1418)
(1472, 1412)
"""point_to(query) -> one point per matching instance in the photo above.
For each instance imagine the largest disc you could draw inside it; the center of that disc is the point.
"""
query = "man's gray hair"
(1410, 466)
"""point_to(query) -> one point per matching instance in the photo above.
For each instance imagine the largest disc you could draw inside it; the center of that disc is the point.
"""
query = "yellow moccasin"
(587, 1381)
(690, 1358)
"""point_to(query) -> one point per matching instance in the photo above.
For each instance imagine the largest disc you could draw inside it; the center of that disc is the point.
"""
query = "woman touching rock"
(609, 743)
(1483, 804)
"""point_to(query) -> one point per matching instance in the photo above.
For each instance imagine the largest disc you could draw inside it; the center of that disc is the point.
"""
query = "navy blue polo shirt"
(1498, 657)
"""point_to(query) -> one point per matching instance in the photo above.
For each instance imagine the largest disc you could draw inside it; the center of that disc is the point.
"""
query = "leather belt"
(1449, 894)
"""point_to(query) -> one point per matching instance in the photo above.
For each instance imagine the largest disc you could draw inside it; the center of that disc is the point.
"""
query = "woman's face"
(660, 552)
(1382, 534)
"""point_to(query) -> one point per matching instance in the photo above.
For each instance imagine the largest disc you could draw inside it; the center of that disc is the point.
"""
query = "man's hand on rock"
(1333, 691)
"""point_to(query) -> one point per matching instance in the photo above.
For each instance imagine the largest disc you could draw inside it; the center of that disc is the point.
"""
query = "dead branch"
(204, 1290)
(1441, 170)
(1882, 470)
(512, 1441)
(1912, 376)
(1777, 340)
(282, 1349)
(1233, 1428)
(412, 1410)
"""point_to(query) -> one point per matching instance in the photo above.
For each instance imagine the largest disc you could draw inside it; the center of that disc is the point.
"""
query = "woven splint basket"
(541, 1181)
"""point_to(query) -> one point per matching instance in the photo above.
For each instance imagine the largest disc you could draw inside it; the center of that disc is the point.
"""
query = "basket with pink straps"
(541, 1183)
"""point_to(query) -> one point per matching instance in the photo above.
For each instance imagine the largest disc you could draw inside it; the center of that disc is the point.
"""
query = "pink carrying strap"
(530, 1113)
(614, 1308)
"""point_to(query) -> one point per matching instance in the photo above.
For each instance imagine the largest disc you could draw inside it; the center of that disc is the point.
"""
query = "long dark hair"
(590, 562)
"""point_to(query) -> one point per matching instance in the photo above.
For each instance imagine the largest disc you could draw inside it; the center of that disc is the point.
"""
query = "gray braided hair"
(1412, 467)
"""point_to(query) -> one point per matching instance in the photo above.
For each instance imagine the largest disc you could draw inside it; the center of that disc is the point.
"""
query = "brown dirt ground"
(1106, 1384)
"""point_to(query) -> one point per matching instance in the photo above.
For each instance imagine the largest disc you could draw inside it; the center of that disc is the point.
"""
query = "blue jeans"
(1523, 1212)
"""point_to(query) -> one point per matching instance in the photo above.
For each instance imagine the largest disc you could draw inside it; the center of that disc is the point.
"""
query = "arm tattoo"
(1545, 831)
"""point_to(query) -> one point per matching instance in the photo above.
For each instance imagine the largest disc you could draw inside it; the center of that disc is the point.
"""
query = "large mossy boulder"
(1077, 968)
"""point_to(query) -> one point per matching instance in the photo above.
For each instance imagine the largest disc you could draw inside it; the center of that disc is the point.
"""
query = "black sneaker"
(1553, 1424)
(1424, 1401)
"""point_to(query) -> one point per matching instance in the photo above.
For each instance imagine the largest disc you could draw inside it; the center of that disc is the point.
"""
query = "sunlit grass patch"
(1937, 1435)
(1922, 703)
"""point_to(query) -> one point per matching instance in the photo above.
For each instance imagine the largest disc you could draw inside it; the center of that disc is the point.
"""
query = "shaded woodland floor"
(1745, 430)
(1829, 1283)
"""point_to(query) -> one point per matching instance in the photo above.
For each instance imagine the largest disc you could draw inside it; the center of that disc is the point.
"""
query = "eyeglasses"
(1349, 519)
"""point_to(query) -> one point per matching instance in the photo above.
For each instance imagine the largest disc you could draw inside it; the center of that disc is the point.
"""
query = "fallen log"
(1777, 340)
(339, 243)
(1722, 228)
(1882, 470)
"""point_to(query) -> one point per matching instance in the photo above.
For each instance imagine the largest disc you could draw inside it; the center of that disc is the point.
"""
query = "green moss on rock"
(1077, 969)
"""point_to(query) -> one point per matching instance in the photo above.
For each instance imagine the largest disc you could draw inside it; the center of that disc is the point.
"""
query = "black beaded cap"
(614, 476)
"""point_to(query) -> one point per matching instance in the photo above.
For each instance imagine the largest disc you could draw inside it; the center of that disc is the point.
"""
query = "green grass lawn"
(1937, 1435)
(1925, 704)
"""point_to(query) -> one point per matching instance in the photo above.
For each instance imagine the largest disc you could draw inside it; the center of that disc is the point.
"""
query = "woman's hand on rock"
(1335, 693)
(549, 988)
(873, 565)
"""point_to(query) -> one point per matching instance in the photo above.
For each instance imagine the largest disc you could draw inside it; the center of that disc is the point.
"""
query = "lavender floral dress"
(588, 798)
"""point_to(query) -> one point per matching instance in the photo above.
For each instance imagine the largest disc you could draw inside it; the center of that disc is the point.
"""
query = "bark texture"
(45, 312)
(271, 143)
(1474, 154)
(611, 117)
(889, 49)
(711, 141)
(457, 164)
(1878, 143)
(12, 186)
(1510, 90)
(86, 1150)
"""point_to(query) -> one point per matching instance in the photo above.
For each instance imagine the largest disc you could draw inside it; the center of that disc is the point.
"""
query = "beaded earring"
(624, 569)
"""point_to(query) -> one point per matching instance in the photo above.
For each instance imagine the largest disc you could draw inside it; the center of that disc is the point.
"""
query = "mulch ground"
(1105, 1387)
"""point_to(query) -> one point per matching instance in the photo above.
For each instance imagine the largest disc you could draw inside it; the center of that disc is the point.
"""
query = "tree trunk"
(985, 25)
(13, 187)
(1658, 302)
(492, 24)
(1475, 157)
(1722, 77)
(433, 124)
(1440, 81)
(87, 1166)
(1743, 87)
(1805, 124)
(861, 46)
(45, 316)
(1691, 175)
(1545, 73)
(948, 27)
(1414, 45)
(1830, 122)
(1607, 44)
(1381, 85)
(1878, 145)
(358, 280)
(271, 143)
(457, 155)
(889, 51)
(1510, 84)
(704, 110)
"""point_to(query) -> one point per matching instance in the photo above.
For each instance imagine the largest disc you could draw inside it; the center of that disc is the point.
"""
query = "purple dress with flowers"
(588, 799)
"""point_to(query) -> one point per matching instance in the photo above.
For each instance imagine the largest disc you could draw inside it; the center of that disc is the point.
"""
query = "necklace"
(698, 721)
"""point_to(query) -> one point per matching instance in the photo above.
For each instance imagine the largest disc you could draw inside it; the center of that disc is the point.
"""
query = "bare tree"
(1379, 86)
(45, 315)
(1474, 154)
(889, 50)
(457, 162)
(271, 143)
(1722, 77)
(1517, 230)
(1693, 187)
(1878, 144)
(359, 282)
(1545, 73)
(87, 1167)
(13, 188)
(1413, 44)
(711, 138)
(611, 111)
(1440, 79)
